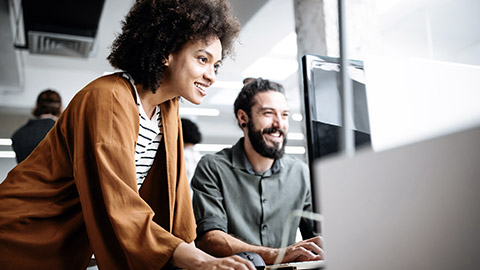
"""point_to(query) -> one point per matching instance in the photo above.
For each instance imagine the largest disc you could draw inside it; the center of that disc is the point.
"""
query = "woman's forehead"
(211, 46)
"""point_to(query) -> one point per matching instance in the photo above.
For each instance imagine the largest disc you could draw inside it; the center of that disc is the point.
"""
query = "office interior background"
(402, 43)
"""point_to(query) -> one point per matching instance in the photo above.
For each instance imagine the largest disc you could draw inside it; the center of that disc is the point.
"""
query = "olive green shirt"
(231, 197)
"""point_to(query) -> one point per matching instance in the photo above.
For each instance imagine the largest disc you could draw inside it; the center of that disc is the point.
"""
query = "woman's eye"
(203, 59)
(216, 67)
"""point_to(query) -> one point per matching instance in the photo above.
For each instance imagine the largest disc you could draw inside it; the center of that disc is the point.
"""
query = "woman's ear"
(166, 61)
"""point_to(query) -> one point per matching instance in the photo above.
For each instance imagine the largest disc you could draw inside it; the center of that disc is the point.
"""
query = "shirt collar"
(152, 123)
(240, 160)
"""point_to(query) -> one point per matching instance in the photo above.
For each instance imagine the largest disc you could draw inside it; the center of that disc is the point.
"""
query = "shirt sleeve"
(208, 199)
(118, 221)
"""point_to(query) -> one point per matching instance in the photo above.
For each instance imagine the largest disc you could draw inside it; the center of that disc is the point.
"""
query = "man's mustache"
(273, 130)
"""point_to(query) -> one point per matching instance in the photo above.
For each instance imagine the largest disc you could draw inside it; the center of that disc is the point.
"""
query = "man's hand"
(221, 244)
(306, 250)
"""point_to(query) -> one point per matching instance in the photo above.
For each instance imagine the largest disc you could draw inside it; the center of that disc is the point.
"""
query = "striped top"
(149, 137)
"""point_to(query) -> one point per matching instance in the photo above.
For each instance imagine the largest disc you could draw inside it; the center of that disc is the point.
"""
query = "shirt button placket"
(264, 210)
(264, 227)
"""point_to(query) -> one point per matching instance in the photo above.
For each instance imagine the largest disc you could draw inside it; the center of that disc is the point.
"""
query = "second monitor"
(323, 112)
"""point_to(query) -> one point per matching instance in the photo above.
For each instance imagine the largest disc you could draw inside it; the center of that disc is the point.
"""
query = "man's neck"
(48, 115)
(260, 164)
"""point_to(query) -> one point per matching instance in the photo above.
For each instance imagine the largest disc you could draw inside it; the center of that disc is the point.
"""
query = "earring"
(243, 125)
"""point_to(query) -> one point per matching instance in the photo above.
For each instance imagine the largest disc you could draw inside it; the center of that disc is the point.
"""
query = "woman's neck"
(150, 100)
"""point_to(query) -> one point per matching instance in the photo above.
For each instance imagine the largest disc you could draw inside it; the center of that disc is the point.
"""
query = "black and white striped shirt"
(149, 137)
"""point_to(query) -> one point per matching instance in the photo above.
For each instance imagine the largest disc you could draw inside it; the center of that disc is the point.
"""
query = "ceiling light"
(295, 136)
(271, 68)
(7, 154)
(224, 97)
(297, 117)
(287, 46)
(205, 147)
(295, 150)
(228, 85)
(279, 63)
(5, 142)
(199, 111)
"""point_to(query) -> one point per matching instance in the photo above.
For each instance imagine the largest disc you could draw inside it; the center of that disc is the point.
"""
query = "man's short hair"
(251, 87)
(191, 133)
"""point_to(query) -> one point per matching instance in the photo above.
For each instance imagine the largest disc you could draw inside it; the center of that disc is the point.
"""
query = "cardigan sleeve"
(118, 221)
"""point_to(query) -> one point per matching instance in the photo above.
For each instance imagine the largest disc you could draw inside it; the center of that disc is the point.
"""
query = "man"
(244, 195)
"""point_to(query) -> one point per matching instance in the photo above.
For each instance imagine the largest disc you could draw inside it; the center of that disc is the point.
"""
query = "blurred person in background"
(191, 136)
(47, 110)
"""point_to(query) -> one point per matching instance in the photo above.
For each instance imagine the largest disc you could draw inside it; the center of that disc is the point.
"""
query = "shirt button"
(264, 226)
(264, 200)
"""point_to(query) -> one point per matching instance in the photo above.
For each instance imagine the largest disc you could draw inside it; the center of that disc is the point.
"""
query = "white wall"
(6, 164)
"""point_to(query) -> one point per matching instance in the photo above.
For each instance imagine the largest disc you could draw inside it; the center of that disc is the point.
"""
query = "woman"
(78, 192)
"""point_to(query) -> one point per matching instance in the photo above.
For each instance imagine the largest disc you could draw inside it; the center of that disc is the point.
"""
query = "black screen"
(323, 116)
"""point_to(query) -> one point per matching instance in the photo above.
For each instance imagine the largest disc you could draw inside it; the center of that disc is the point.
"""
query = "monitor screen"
(323, 113)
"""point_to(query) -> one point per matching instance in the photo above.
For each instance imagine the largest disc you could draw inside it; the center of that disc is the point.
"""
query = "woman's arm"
(187, 256)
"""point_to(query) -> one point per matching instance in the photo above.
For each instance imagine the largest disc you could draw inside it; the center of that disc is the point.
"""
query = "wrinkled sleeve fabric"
(208, 198)
(77, 192)
(118, 221)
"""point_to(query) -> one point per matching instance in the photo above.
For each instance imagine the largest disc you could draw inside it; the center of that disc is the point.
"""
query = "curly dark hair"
(191, 132)
(153, 29)
(48, 102)
(250, 89)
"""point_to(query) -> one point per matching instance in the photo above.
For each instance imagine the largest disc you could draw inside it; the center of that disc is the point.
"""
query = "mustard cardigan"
(77, 192)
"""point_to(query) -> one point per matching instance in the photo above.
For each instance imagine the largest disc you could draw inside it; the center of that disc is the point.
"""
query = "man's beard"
(274, 152)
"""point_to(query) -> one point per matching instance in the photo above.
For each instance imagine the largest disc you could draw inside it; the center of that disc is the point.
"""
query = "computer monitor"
(409, 207)
(323, 114)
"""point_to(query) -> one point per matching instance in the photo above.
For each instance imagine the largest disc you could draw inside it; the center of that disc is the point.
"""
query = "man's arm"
(221, 244)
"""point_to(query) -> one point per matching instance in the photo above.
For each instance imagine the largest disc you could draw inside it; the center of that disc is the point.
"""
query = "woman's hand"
(227, 263)
(187, 256)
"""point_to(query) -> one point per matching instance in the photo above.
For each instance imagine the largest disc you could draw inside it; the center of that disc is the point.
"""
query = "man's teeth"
(200, 86)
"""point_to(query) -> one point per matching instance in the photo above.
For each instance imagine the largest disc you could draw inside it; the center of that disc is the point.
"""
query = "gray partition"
(413, 207)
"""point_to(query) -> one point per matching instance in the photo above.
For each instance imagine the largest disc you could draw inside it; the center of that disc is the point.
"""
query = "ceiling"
(27, 73)
(266, 31)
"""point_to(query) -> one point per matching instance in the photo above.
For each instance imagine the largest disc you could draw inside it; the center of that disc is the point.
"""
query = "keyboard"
(320, 264)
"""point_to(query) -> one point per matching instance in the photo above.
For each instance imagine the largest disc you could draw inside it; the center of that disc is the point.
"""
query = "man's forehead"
(271, 99)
